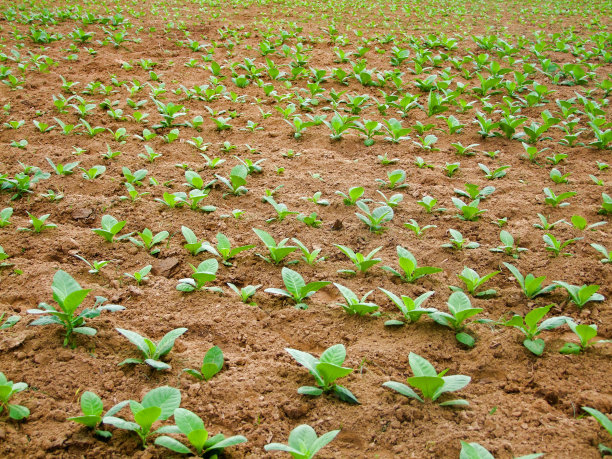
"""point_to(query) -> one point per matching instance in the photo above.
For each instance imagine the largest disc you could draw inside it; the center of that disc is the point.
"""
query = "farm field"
(349, 189)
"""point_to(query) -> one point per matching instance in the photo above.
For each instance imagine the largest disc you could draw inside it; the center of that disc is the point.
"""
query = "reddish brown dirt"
(519, 403)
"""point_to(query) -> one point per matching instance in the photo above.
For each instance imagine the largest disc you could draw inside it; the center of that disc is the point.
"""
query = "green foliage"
(460, 309)
(110, 227)
(152, 352)
(605, 423)
(431, 384)
(92, 408)
(586, 334)
(297, 289)
(205, 272)
(361, 262)
(157, 405)
(410, 271)
(581, 295)
(211, 364)
(410, 308)
(192, 426)
(326, 370)
(532, 325)
(303, 442)
(354, 305)
(531, 285)
(69, 295)
(7, 390)
(473, 282)
(278, 251)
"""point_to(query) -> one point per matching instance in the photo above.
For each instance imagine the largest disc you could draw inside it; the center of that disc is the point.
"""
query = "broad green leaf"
(91, 404)
(172, 444)
(403, 389)
(187, 421)
(293, 282)
(166, 344)
(145, 418)
(421, 366)
(165, 397)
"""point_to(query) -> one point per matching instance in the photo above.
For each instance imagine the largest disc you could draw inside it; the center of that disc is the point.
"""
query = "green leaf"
(187, 421)
(91, 404)
(535, 346)
(157, 364)
(212, 363)
(165, 397)
(310, 390)
(90, 421)
(172, 444)
(331, 372)
(421, 366)
(345, 395)
(429, 385)
(18, 412)
(293, 282)
(227, 442)
(474, 451)
(120, 423)
(465, 339)
(135, 339)
(146, 417)
(166, 344)
(601, 418)
(570, 348)
(402, 389)
(335, 355)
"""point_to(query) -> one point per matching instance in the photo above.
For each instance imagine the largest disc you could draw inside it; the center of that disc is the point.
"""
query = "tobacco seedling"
(316, 199)
(110, 228)
(224, 249)
(353, 195)
(63, 169)
(473, 282)
(192, 244)
(279, 251)
(69, 295)
(326, 370)
(410, 272)
(93, 173)
(245, 293)
(281, 209)
(545, 225)
(457, 241)
(203, 273)
(361, 262)
(7, 390)
(92, 407)
(9, 322)
(581, 295)
(309, 257)
(95, 266)
(421, 164)
(416, 229)
(309, 220)
(476, 451)
(157, 405)
(190, 425)
(431, 383)
(605, 423)
(237, 180)
(211, 364)
(557, 201)
(148, 240)
(579, 222)
(5, 216)
(428, 203)
(508, 246)
(586, 334)
(393, 201)
(468, 212)
(555, 246)
(460, 309)
(606, 203)
(473, 191)
(396, 180)
(530, 328)
(303, 442)
(374, 220)
(354, 305)
(140, 275)
(451, 168)
(38, 223)
(151, 351)
(607, 254)
(410, 309)
(531, 285)
(297, 289)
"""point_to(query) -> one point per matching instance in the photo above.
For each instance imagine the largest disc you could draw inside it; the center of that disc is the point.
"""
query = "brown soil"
(519, 403)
